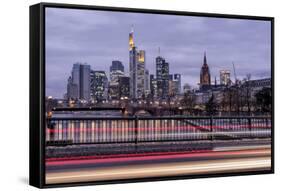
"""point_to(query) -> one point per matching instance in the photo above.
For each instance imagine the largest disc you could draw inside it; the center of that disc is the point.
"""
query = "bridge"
(130, 110)
(137, 129)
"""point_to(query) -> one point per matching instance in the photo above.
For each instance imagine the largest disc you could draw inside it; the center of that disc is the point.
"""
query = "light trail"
(160, 170)
(228, 148)
(123, 155)
(212, 154)
(234, 148)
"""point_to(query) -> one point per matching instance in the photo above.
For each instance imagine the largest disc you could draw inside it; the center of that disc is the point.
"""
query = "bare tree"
(228, 99)
(188, 100)
(248, 93)
(211, 106)
(263, 100)
(237, 99)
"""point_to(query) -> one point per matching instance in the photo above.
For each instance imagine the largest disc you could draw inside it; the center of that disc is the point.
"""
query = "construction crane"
(235, 78)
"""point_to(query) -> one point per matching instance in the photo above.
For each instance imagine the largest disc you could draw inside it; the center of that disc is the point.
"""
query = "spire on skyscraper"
(131, 38)
(132, 28)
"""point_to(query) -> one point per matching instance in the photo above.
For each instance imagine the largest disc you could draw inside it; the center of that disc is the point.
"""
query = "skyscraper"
(205, 76)
(117, 66)
(99, 85)
(72, 89)
(153, 86)
(131, 39)
(124, 87)
(113, 91)
(177, 79)
(116, 69)
(136, 69)
(224, 77)
(173, 88)
(146, 83)
(81, 77)
(174, 84)
(133, 66)
(141, 74)
(162, 77)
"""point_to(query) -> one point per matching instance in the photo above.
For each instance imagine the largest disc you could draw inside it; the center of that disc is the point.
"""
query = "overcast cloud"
(98, 37)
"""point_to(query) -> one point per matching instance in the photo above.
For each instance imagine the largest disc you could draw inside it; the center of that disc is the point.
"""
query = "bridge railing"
(85, 130)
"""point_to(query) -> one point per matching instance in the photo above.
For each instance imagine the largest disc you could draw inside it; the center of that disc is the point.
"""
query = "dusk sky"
(98, 37)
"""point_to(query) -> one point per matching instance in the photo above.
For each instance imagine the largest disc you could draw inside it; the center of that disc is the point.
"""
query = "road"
(218, 160)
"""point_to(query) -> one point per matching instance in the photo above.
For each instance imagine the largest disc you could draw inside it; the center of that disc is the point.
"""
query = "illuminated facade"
(132, 66)
(133, 73)
(131, 40)
(162, 77)
(146, 83)
(172, 88)
(153, 86)
(124, 87)
(174, 84)
(141, 74)
(99, 86)
(116, 70)
(224, 77)
(113, 93)
(177, 79)
(116, 65)
(136, 69)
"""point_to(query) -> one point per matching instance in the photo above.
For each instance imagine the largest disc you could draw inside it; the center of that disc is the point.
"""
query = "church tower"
(205, 76)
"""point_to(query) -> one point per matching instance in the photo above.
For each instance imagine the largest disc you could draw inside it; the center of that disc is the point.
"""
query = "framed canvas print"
(126, 95)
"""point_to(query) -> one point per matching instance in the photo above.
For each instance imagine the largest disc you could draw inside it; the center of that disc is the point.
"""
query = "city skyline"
(98, 38)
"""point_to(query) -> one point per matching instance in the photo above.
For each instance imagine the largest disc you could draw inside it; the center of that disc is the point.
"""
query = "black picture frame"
(37, 92)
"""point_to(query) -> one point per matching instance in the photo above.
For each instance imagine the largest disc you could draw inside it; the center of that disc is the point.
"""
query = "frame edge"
(35, 130)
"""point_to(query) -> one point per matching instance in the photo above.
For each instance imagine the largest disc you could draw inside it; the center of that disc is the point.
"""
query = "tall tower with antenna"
(133, 65)
(136, 69)
(234, 72)
(131, 38)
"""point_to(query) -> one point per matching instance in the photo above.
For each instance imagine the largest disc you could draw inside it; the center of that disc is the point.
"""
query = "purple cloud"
(98, 37)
